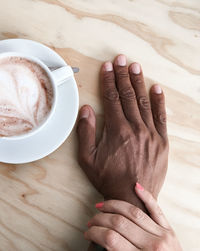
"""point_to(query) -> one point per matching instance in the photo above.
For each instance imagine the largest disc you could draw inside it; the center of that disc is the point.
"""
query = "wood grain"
(45, 205)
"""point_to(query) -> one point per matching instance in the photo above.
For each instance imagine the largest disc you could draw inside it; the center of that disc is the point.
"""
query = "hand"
(122, 226)
(134, 144)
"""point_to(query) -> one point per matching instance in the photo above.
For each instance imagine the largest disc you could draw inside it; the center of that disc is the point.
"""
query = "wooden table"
(45, 205)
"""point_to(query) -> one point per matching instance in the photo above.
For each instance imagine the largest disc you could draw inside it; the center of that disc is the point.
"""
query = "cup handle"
(61, 74)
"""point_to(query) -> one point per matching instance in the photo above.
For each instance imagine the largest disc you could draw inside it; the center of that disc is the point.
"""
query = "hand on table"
(122, 226)
(134, 144)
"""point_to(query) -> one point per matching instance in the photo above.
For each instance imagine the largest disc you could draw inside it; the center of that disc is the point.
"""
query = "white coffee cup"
(57, 77)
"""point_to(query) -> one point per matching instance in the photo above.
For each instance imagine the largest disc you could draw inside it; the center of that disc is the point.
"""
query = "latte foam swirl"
(25, 96)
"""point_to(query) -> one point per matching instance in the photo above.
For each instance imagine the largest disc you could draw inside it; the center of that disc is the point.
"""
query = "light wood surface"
(45, 205)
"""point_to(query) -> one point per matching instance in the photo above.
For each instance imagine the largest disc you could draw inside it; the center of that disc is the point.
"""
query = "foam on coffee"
(26, 96)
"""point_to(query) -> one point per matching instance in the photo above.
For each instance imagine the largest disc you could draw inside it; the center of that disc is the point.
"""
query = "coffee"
(26, 96)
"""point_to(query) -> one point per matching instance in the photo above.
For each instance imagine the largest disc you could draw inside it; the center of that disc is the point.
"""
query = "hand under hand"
(134, 144)
(122, 226)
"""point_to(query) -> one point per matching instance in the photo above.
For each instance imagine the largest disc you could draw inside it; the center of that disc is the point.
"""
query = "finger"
(126, 91)
(138, 84)
(131, 212)
(152, 206)
(108, 239)
(112, 106)
(120, 224)
(158, 109)
(86, 130)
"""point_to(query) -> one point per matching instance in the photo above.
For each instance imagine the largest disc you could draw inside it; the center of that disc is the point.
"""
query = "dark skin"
(134, 143)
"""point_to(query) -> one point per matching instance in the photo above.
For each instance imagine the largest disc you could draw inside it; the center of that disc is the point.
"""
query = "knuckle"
(117, 221)
(139, 128)
(138, 80)
(108, 77)
(159, 211)
(111, 239)
(111, 95)
(154, 136)
(124, 134)
(136, 213)
(142, 132)
(159, 245)
(122, 74)
(142, 129)
(144, 102)
(127, 94)
(161, 118)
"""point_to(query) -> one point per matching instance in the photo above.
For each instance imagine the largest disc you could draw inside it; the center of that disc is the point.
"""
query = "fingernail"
(108, 66)
(84, 113)
(135, 68)
(89, 224)
(139, 187)
(121, 60)
(157, 89)
(99, 205)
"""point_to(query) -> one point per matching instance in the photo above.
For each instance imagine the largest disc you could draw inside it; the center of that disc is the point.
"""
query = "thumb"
(86, 130)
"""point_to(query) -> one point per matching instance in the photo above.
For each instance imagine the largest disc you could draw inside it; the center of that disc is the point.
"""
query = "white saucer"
(60, 125)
